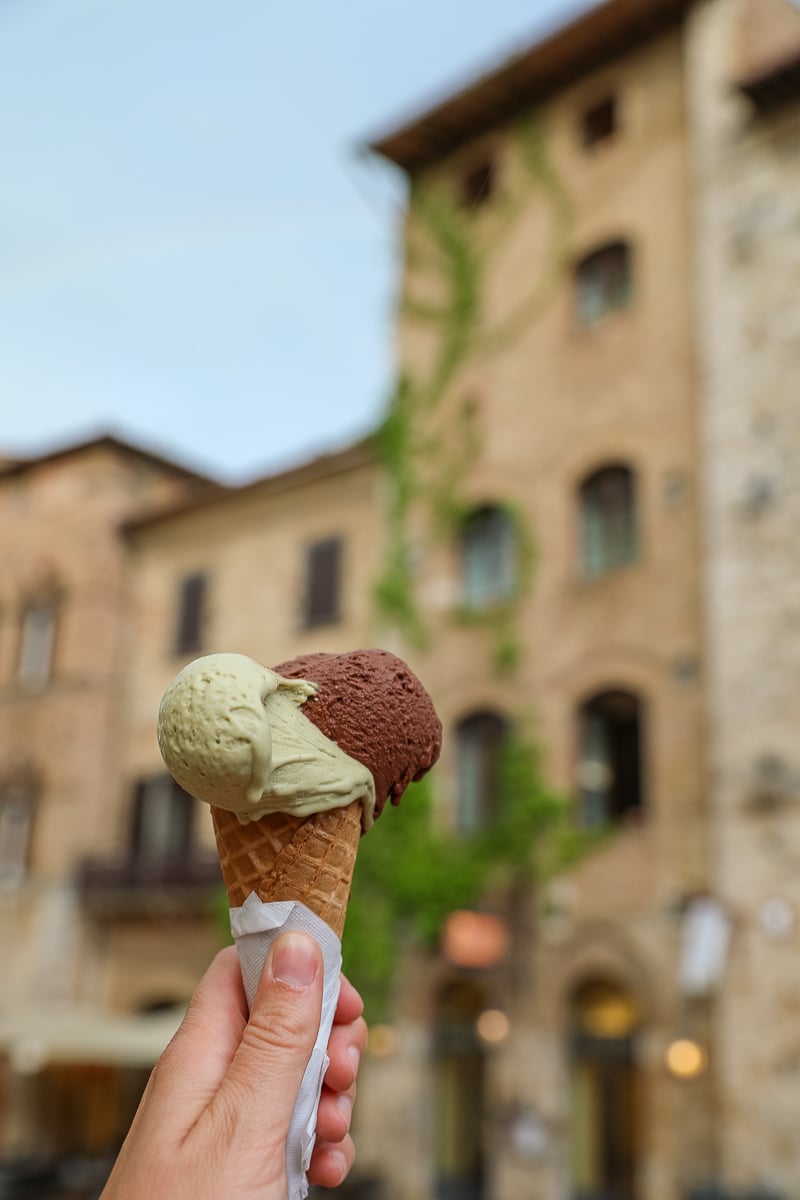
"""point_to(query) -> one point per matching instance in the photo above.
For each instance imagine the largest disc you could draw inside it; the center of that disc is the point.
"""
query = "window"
(192, 603)
(488, 558)
(608, 526)
(479, 741)
(323, 582)
(610, 766)
(599, 123)
(16, 825)
(477, 185)
(162, 824)
(603, 1092)
(603, 282)
(37, 641)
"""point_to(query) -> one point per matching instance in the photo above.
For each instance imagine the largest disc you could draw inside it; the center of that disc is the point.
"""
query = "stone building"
(576, 523)
(743, 95)
(65, 629)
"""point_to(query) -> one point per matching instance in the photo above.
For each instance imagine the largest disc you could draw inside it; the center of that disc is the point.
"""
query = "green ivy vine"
(427, 469)
(413, 875)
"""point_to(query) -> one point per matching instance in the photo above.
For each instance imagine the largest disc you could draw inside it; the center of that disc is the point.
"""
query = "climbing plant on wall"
(410, 875)
(427, 466)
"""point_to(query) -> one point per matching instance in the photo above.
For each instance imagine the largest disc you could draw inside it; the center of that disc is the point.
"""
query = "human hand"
(214, 1116)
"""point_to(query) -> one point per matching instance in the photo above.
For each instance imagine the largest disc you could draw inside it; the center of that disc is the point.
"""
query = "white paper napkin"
(255, 926)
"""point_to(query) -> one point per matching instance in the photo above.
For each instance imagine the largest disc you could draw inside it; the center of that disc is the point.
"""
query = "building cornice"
(573, 50)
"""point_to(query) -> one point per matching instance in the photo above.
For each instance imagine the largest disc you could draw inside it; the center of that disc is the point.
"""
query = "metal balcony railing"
(131, 884)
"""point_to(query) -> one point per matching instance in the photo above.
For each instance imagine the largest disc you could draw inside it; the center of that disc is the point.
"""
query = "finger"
(334, 1114)
(330, 1165)
(265, 1074)
(350, 1005)
(345, 1048)
(195, 1062)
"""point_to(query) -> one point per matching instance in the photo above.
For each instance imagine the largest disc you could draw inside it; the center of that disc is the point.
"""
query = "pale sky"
(192, 253)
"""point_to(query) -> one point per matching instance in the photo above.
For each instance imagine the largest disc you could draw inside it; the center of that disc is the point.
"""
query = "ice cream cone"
(280, 857)
(329, 738)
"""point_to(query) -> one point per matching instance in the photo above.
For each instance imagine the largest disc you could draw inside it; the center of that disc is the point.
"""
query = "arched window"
(37, 639)
(459, 1094)
(488, 558)
(479, 740)
(17, 803)
(603, 282)
(608, 526)
(604, 1109)
(610, 757)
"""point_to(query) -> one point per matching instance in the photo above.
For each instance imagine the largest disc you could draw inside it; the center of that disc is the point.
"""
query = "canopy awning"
(34, 1037)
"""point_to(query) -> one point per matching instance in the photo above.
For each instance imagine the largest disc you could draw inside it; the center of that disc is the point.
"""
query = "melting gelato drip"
(233, 733)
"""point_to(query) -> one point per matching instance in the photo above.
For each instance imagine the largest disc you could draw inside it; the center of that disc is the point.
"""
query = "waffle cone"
(281, 857)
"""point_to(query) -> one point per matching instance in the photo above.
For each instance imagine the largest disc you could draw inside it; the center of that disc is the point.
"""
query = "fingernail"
(294, 961)
(354, 1054)
(339, 1159)
(345, 1107)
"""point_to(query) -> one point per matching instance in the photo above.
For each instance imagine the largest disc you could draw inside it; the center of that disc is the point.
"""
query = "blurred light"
(28, 1056)
(474, 940)
(382, 1041)
(686, 1059)
(777, 917)
(528, 1135)
(492, 1026)
(607, 1013)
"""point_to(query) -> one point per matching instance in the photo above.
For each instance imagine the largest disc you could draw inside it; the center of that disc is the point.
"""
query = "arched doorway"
(459, 1083)
(604, 1087)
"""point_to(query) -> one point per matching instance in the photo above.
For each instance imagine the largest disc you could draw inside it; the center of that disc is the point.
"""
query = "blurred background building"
(580, 515)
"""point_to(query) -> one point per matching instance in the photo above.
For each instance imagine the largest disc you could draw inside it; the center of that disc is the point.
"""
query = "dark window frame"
(34, 668)
(489, 558)
(478, 184)
(22, 795)
(612, 784)
(479, 740)
(156, 790)
(600, 122)
(192, 612)
(608, 514)
(603, 282)
(324, 574)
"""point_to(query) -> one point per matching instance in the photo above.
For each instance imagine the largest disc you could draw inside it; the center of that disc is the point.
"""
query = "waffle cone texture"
(372, 705)
(280, 857)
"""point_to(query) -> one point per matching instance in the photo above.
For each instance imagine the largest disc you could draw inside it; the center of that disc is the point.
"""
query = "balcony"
(130, 886)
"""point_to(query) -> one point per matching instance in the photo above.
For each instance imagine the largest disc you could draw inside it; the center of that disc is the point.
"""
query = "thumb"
(265, 1074)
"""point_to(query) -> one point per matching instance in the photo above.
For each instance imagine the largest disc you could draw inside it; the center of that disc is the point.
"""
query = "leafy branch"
(414, 873)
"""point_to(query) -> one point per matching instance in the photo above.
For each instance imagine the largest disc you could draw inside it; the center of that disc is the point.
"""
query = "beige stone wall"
(748, 173)
(59, 528)
(252, 547)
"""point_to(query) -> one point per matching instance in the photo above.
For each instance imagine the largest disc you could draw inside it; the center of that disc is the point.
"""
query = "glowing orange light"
(474, 940)
(686, 1059)
(492, 1026)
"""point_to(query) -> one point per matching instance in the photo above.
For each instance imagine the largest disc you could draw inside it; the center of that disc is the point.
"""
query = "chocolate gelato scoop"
(373, 706)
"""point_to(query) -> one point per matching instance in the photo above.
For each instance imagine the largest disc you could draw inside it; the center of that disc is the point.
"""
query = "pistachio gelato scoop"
(233, 733)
